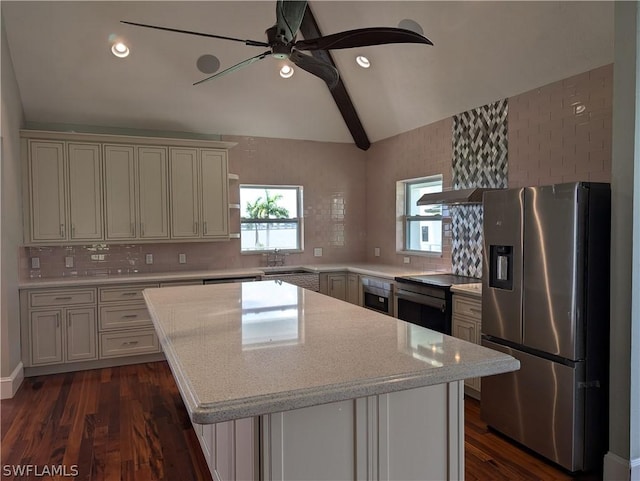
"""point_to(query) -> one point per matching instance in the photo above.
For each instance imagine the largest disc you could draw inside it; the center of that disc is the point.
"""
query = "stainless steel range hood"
(453, 197)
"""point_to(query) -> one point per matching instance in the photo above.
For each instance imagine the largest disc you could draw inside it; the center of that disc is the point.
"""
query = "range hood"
(453, 197)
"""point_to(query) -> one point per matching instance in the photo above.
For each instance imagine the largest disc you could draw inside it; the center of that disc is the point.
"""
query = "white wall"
(623, 460)
(11, 209)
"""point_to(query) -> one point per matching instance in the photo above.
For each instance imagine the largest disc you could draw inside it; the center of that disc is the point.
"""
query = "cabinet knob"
(62, 230)
(195, 227)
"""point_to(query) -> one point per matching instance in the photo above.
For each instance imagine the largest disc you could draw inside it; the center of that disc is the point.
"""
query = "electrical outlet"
(317, 252)
(406, 260)
(35, 263)
(376, 251)
(182, 258)
(148, 259)
(68, 261)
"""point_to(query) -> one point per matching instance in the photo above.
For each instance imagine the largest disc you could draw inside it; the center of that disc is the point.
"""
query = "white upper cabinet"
(215, 196)
(48, 220)
(65, 192)
(85, 192)
(120, 192)
(199, 194)
(153, 193)
(93, 187)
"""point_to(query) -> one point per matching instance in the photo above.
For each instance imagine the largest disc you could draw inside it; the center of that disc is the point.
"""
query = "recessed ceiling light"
(286, 71)
(363, 61)
(119, 49)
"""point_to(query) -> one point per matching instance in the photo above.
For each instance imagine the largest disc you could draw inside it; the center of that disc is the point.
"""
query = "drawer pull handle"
(475, 311)
(63, 298)
(129, 293)
(130, 343)
(130, 316)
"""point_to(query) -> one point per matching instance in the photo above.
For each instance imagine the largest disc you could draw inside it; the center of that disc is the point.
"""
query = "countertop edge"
(388, 272)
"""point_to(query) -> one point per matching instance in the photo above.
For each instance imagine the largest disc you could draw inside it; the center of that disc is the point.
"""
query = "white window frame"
(403, 209)
(299, 220)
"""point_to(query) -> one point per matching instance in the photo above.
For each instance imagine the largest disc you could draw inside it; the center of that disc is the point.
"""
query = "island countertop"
(247, 349)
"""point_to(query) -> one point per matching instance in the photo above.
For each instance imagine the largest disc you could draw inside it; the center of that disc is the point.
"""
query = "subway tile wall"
(561, 132)
(418, 153)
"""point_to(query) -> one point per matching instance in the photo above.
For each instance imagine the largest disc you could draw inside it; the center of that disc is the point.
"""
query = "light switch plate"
(317, 251)
(68, 261)
(376, 251)
(148, 258)
(406, 260)
(182, 258)
(35, 263)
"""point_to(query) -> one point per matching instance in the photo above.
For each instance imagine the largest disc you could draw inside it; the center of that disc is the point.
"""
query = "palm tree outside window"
(270, 218)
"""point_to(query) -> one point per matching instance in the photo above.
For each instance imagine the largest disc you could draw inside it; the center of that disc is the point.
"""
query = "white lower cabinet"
(416, 434)
(466, 325)
(62, 335)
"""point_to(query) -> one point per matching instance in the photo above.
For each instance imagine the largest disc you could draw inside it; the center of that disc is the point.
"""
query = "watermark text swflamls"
(37, 470)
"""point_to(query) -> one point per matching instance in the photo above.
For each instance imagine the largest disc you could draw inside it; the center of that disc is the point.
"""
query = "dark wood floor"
(129, 423)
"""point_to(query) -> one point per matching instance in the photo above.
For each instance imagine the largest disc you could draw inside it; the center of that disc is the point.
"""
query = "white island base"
(417, 434)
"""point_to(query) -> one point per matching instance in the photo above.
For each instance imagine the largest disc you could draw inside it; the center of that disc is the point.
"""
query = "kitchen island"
(288, 384)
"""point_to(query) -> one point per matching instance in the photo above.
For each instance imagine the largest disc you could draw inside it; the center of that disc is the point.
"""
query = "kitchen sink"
(278, 271)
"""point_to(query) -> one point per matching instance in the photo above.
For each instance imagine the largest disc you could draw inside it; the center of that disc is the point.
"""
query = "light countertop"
(246, 349)
(376, 270)
(473, 290)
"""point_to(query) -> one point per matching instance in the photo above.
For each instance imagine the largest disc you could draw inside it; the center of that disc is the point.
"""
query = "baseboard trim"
(617, 468)
(9, 385)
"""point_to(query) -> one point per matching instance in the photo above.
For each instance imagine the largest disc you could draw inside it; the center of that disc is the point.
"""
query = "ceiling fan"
(282, 43)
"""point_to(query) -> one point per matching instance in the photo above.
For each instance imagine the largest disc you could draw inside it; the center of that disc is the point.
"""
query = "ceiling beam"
(309, 29)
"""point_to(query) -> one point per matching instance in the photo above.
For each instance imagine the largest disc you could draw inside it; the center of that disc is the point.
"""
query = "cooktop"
(438, 280)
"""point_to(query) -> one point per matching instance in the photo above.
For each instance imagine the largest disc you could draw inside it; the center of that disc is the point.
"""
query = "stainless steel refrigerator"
(545, 301)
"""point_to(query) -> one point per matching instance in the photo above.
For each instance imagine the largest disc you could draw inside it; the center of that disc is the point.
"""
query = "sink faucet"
(275, 258)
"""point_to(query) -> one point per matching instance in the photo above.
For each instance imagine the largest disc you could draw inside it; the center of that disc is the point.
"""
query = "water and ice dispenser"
(501, 266)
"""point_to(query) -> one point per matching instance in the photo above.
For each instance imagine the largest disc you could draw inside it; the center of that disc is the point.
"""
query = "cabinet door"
(353, 289)
(337, 286)
(119, 189)
(153, 190)
(215, 199)
(81, 334)
(85, 192)
(47, 194)
(185, 216)
(46, 336)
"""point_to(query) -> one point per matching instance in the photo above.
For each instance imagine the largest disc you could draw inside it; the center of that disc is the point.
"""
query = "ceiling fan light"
(286, 71)
(363, 61)
(120, 50)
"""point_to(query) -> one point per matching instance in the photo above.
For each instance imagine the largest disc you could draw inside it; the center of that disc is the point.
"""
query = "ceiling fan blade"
(289, 15)
(321, 69)
(252, 43)
(362, 37)
(237, 66)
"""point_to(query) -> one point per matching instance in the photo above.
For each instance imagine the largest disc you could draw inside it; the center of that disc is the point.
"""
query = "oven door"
(423, 310)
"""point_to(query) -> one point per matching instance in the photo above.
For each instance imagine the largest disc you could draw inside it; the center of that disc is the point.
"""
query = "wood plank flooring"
(129, 423)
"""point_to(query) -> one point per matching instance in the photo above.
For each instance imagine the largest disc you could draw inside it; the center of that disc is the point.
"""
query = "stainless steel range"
(425, 300)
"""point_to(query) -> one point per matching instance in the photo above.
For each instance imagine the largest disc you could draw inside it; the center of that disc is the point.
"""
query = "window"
(270, 217)
(422, 223)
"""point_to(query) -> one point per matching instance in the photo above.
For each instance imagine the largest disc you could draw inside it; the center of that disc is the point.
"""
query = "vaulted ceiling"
(483, 51)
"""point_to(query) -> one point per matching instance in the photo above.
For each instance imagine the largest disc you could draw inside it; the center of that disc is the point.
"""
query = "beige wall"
(11, 208)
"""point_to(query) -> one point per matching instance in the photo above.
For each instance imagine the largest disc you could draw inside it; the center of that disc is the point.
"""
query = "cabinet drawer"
(124, 316)
(116, 344)
(126, 293)
(65, 297)
(467, 306)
